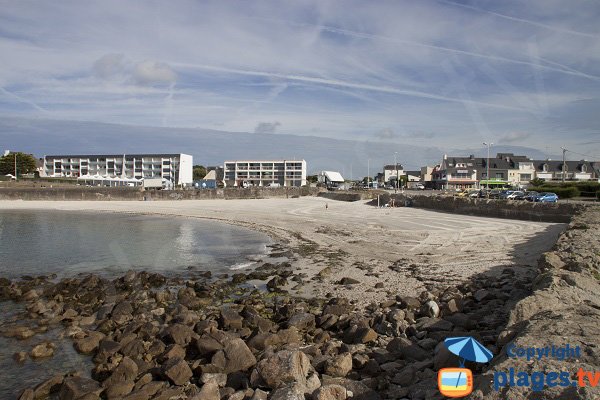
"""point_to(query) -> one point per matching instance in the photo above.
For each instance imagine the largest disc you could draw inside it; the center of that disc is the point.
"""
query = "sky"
(450, 74)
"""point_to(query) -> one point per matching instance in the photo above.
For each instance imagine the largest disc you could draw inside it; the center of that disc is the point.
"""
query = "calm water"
(68, 243)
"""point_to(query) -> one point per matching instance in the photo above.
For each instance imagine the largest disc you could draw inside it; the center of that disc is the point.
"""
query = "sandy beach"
(401, 249)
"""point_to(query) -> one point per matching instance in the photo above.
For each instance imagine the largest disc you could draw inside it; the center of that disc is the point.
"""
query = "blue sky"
(445, 73)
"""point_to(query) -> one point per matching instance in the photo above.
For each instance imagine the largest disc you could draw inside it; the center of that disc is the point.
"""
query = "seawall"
(133, 194)
(560, 212)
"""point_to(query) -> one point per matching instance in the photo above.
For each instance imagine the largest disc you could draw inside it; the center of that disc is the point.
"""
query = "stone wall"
(98, 193)
(561, 212)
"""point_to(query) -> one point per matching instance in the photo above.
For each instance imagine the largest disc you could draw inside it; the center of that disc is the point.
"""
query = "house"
(456, 173)
(392, 173)
(331, 179)
(426, 173)
(550, 170)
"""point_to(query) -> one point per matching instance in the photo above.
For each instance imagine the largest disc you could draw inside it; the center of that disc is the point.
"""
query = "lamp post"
(397, 177)
(368, 173)
(15, 166)
(488, 167)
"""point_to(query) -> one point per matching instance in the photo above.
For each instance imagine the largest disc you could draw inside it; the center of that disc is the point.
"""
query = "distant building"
(391, 172)
(265, 173)
(331, 179)
(583, 170)
(121, 169)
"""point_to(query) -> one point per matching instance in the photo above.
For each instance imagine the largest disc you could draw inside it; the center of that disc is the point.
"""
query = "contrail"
(363, 35)
(526, 21)
(568, 70)
(339, 83)
(23, 100)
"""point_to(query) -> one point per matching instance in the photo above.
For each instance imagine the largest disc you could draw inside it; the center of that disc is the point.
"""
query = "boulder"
(126, 371)
(51, 385)
(292, 392)
(210, 391)
(283, 368)
(238, 356)
(177, 371)
(42, 350)
(302, 321)
(89, 343)
(76, 387)
(348, 281)
(230, 319)
(179, 334)
(339, 366)
(331, 392)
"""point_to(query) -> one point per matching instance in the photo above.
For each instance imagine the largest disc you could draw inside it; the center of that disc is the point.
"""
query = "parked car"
(420, 186)
(531, 196)
(504, 194)
(494, 194)
(519, 195)
(546, 198)
(515, 194)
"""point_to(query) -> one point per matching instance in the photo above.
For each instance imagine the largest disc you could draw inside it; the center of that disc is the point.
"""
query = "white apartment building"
(265, 173)
(122, 169)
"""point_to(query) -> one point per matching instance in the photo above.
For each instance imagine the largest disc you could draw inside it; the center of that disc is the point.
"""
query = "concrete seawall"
(106, 194)
(560, 212)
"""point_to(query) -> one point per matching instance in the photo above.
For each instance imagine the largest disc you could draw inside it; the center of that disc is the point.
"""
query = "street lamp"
(397, 177)
(488, 167)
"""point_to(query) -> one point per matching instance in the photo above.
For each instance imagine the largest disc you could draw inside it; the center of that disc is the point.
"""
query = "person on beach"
(326, 206)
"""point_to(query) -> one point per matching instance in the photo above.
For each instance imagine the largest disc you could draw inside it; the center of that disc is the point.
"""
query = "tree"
(312, 179)
(25, 164)
(537, 182)
(198, 172)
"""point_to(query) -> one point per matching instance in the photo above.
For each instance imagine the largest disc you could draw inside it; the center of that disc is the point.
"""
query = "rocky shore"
(157, 338)
(220, 338)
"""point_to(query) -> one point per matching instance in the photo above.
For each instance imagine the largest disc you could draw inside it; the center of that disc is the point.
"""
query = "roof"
(116, 155)
(557, 165)
(332, 176)
(210, 175)
(392, 167)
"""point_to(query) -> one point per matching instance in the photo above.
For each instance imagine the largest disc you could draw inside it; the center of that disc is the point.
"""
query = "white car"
(420, 186)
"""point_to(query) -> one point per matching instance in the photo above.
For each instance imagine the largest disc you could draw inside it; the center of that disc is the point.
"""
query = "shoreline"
(404, 249)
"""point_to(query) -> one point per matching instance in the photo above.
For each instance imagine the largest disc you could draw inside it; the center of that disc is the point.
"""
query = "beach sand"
(402, 249)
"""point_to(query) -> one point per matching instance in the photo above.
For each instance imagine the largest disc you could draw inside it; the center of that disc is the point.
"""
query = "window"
(525, 177)
(499, 175)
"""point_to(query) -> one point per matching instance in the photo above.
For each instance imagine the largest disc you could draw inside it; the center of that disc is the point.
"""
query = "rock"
(177, 371)
(210, 391)
(482, 294)
(207, 346)
(179, 334)
(331, 392)
(238, 356)
(359, 390)
(18, 332)
(406, 349)
(434, 325)
(42, 350)
(122, 312)
(126, 371)
(230, 319)
(27, 395)
(292, 392)
(219, 378)
(365, 335)
(302, 321)
(410, 303)
(52, 385)
(20, 356)
(259, 395)
(276, 282)
(405, 377)
(348, 281)
(283, 368)
(430, 309)
(76, 387)
(90, 343)
(339, 366)
(118, 390)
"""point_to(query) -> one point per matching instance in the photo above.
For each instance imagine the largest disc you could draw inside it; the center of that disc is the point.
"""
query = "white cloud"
(109, 65)
(152, 72)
